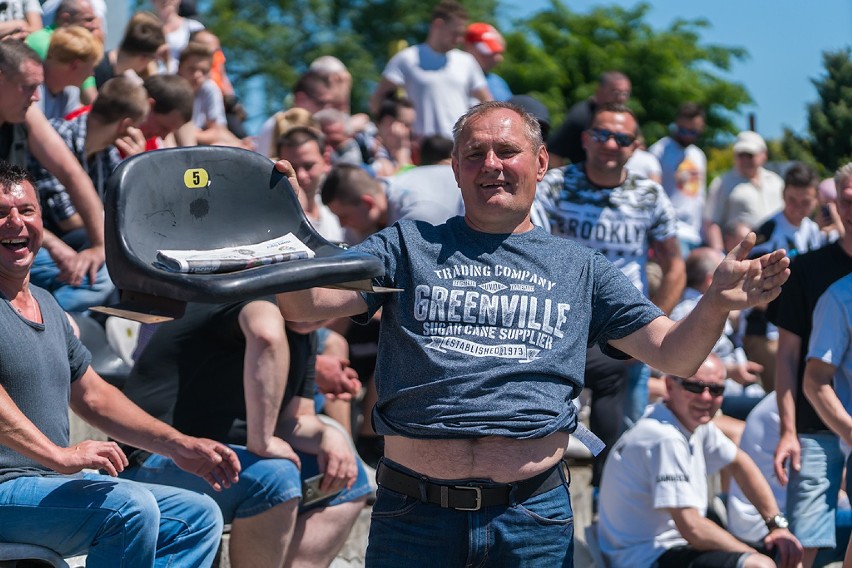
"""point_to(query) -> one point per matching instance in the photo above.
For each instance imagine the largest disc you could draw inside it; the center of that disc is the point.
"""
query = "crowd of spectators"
(769, 409)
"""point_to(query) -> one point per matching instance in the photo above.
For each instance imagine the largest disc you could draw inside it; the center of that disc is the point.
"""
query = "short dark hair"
(434, 149)
(195, 49)
(346, 183)
(801, 174)
(391, 106)
(295, 137)
(311, 82)
(700, 262)
(690, 110)
(448, 9)
(143, 35)
(170, 93)
(11, 175)
(119, 98)
(618, 108)
(13, 54)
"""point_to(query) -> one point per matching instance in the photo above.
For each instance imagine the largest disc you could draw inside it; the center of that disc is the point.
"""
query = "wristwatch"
(778, 521)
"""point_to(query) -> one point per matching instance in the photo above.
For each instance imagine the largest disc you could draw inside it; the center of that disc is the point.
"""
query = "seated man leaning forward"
(483, 350)
(653, 498)
(232, 373)
(44, 499)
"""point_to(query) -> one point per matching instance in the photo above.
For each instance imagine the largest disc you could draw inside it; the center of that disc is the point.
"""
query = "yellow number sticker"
(195, 178)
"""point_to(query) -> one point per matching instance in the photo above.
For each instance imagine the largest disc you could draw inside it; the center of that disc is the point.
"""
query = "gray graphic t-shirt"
(489, 336)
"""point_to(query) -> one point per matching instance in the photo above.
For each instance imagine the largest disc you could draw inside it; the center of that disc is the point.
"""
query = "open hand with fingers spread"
(740, 283)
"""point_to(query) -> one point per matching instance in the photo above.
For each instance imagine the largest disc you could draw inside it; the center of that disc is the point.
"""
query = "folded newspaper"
(230, 259)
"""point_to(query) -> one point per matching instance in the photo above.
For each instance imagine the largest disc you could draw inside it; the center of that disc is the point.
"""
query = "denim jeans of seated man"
(45, 274)
(264, 482)
(536, 533)
(131, 524)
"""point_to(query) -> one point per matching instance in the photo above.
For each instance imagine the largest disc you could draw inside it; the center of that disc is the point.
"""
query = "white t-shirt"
(424, 193)
(654, 466)
(831, 338)
(208, 106)
(684, 179)
(778, 232)
(178, 39)
(439, 85)
(645, 164)
(735, 198)
(18, 9)
(327, 224)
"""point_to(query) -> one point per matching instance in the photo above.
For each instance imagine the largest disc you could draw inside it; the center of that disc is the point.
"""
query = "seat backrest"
(195, 198)
(205, 198)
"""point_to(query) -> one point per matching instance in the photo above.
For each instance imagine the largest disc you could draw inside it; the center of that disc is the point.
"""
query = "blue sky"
(784, 40)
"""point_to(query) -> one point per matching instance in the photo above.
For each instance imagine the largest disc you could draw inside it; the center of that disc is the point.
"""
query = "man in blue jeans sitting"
(44, 499)
(483, 350)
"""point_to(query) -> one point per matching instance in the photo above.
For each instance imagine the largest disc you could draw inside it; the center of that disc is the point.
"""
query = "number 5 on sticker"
(195, 178)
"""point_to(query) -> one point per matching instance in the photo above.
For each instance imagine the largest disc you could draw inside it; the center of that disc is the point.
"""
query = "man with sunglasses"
(654, 489)
(603, 205)
(685, 173)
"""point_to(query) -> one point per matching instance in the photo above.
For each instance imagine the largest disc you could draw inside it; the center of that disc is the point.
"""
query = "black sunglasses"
(601, 135)
(697, 387)
(687, 132)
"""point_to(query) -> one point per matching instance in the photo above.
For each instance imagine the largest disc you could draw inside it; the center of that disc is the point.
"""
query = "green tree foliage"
(275, 41)
(830, 118)
(558, 55)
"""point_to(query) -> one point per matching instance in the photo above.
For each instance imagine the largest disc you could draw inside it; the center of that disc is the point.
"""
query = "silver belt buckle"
(478, 498)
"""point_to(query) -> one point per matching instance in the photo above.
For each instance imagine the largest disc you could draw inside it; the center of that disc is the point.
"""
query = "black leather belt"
(466, 495)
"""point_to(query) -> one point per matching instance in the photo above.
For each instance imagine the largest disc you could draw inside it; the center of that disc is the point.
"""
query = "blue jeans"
(408, 532)
(812, 491)
(264, 483)
(45, 274)
(119, 523)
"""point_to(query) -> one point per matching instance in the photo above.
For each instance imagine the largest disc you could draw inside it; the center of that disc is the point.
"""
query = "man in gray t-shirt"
(45, 496)
(481, 352)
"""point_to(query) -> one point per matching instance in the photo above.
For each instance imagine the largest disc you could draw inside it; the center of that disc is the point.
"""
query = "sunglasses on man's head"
(697, 387)
(601, 135)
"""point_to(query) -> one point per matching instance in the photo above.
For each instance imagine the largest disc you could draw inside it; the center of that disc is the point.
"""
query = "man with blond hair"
(71, 58)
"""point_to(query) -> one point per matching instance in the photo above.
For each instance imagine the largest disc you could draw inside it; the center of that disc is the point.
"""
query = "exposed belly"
(502, 460)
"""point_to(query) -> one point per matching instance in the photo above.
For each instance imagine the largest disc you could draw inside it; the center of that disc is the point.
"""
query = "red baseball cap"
(486, 38)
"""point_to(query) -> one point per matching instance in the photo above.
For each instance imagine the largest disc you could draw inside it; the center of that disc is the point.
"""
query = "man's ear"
(122, 125)
(368, 200)
(543, 161)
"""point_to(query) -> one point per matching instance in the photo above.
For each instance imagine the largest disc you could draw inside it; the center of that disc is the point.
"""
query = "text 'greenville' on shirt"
(489, 336)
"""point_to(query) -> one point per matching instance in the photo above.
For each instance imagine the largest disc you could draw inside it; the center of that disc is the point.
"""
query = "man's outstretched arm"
(680, 347)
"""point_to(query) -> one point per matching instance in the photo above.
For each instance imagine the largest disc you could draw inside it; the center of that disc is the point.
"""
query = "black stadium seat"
(205, 198)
